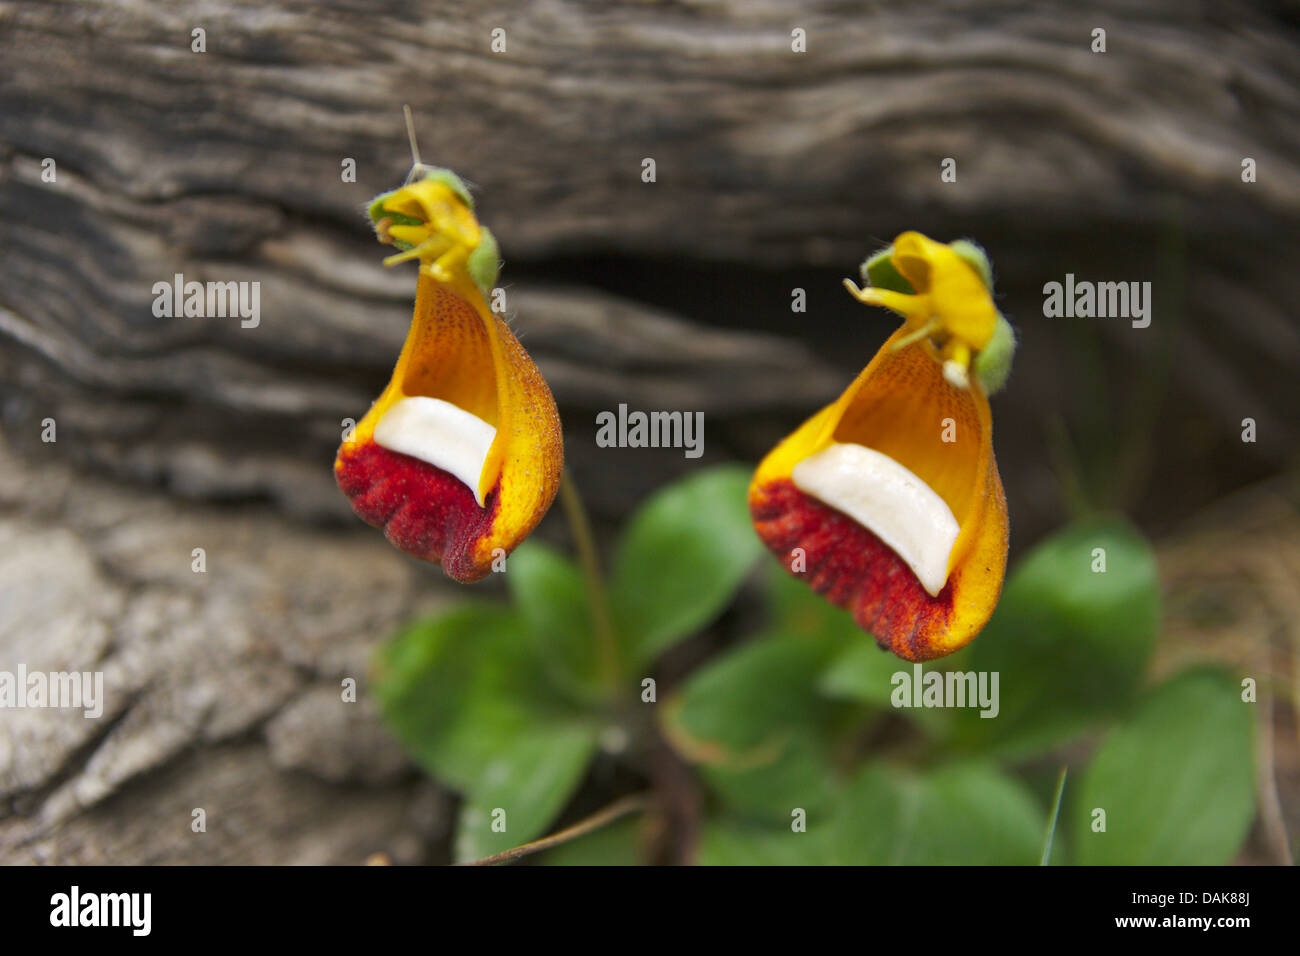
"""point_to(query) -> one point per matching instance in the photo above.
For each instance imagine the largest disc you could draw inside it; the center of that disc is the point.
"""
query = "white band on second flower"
(441, 434)
(887, 499)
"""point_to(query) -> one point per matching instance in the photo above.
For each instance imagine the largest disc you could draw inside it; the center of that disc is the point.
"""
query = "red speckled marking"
(853, 569)
(422, 509)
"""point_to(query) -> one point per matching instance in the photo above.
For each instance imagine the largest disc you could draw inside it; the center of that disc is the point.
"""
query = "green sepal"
(484, 263)
(878, 270)
(974, 255)
(993, 363)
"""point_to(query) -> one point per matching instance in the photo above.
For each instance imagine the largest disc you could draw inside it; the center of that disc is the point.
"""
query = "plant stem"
(618, 808)
(1270, 806)
(1051, 824)
(602, 623)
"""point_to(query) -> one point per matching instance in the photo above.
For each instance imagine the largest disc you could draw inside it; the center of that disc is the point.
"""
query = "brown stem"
(619, 808)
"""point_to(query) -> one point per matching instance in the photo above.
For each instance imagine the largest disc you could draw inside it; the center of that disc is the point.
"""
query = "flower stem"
(597, 820)
(602, 623)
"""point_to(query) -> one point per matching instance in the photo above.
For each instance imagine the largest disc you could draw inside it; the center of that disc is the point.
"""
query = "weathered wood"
(225, 165)
(774, 169)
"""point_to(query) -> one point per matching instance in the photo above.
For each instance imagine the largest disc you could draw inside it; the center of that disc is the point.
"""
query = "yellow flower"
(460, 456)
(888, 501)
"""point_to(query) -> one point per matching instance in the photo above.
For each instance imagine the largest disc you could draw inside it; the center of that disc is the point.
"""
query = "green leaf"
(618, 844)
(1070, 644)
(1176, 781)
(549, 591)
(524, 785)
(440, 673)
(753, 720)
(681, 560)
(962, 814)
(462, 692)
(862, 672)
(728, 842)
(460, 688)
(797, 774)
(734, 704)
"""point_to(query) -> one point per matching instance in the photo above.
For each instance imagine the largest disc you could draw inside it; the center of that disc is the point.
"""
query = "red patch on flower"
(422, 509)
(853, 569)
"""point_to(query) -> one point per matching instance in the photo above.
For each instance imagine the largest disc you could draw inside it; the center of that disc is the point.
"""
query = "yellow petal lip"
(906, 405)
(459, 351)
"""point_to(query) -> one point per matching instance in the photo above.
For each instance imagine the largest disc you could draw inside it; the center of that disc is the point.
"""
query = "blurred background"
(789, 141)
